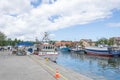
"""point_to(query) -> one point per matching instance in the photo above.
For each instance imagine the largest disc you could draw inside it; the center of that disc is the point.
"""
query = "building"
(116, 41)
(63, 43)
(87, 42)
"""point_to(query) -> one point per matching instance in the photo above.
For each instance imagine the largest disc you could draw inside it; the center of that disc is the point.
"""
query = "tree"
(102, 41)
(9, 41)
(15, 41)
(67, 45)
(2, 36)
(2, 39)
(52, 42)
(111, 41)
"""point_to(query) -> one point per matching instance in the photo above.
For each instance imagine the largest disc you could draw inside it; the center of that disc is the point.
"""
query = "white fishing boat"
(77, 49)
(46, 49)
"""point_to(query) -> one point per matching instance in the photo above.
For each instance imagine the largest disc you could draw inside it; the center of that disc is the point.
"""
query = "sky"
(63, 19)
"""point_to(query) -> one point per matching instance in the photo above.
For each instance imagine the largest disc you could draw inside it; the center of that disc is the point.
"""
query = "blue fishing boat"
(64, 48)
(103, 51)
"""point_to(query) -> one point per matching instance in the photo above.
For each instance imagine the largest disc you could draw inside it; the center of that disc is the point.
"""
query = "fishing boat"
(64, 48)
(46, 49)
(77, 49)
(103, 51)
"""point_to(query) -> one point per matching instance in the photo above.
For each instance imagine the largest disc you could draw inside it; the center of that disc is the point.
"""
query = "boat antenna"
(46, 37)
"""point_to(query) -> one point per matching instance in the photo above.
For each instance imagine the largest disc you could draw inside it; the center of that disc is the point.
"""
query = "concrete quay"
(33, 67)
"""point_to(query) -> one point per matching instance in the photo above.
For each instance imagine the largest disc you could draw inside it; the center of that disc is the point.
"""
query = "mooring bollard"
(46, 59)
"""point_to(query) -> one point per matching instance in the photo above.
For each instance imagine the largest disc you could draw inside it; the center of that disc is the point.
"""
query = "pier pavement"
(33, 67)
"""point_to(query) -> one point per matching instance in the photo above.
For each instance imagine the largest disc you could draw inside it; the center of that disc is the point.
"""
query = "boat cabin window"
(48, 47)
(44, 47)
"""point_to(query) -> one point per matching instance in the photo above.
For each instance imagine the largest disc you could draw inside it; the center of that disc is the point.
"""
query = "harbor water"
(97, 68)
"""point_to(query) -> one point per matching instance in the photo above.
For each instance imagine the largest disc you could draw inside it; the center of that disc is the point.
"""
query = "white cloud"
(20, 19)
(52, 36)
(117, 24)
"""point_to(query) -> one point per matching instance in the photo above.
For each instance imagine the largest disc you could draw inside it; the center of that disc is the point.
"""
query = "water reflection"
(104, 68)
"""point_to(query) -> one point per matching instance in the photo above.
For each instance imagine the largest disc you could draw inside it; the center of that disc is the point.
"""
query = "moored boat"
(103, 51)
(77, 49)
(64, 48)
(47, 49)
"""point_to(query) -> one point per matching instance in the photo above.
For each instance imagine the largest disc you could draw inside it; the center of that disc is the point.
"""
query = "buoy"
(57, 75)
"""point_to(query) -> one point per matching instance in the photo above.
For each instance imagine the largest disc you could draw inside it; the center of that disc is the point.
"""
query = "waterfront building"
(116, 41)
(87, 42)
(63, 43)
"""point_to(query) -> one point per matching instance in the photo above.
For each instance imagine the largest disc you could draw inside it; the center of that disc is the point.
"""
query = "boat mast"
(46, 38)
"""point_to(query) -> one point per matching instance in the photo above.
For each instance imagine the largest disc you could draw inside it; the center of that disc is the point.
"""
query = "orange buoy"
(57, 75)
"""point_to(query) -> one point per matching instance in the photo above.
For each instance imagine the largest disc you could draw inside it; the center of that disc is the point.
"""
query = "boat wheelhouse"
(47, 49)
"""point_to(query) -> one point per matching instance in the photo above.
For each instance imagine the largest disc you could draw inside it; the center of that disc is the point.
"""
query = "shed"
(26, 44)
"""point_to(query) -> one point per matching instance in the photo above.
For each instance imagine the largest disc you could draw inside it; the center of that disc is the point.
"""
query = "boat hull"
(96, 54)
(77, 51)
(48, 52)
(51, 55)
(64, 49)
(101, 52)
